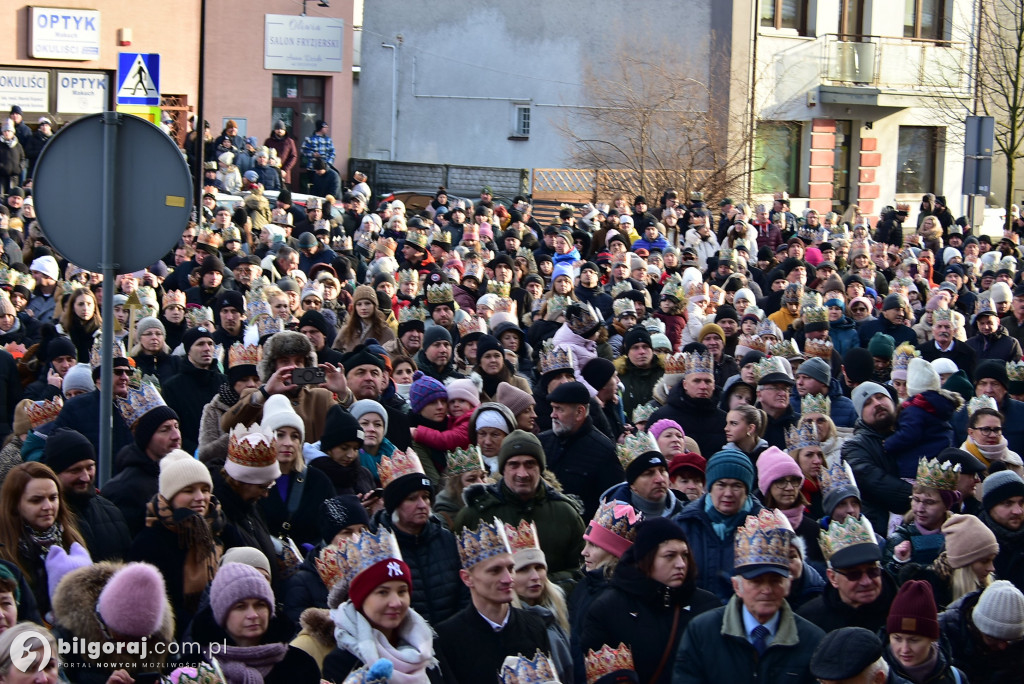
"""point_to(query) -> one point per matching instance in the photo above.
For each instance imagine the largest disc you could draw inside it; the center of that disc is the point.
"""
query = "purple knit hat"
(132, 602)
(662, 425)
(424, 390)
(774, 464)
(237, 582)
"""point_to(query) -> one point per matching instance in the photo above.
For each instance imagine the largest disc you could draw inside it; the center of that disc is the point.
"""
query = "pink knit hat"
(133, 600)
(464, 389)
(662, 425)
(774, 464)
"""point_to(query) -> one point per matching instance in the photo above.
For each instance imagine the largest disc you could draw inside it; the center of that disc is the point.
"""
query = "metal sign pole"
(111, 126)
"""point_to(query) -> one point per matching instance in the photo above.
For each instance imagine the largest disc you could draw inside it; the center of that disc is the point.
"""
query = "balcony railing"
(891, 63)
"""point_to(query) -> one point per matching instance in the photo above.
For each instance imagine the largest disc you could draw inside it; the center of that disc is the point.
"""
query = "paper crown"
(519, 669)
(810, 300)
(635, 446)
(500, 289)
(620, 287)
(244, 355)
(699, 363)
(417, 239)
(801, 435)
(794, 292)
(268, 325)
(937, 475)
(768, 366)
(250, 447)
(485, 542)
(330, 565)
(642, 412)
(365, 550)
(752, 342)
(814, 314)
(581, 319)
(763, 540)
(42, 412)
(231, 234)
(141, 399)
(675, 364)
(473, 270)
(69, 286)
(1014, 371)
(196, 316)
(673, 288)
(207, 236)
(725, 255)
(466, 460)
(981, 402)
(623, 306)
(815, 403)
(400, 463)
(440, 294)
(408, 275)
(559, 303)
(471, 324)
(522, 537)
(837, 476)
(984, 306)
(852, 532)
(96, 352)
(442, 236)
(942, 316)
(554, 358)
(653, 325)
(716, 295)
(505, 305)
(607, 661)
(412, 313)
(697, 289)
(901, 357)
(257, 309)
(821, 349)
(784, 348)
(767, 327)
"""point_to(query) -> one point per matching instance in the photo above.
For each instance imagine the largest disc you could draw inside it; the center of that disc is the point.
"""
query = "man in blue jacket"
(814, 377)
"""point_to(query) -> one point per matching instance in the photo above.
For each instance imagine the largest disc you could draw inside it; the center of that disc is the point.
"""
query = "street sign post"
(138, 79)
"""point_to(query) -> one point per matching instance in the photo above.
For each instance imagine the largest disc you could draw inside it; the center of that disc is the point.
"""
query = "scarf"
(795, 516)
(197, 536)
(37, 544)
(249, 664)
(987, 453)
(653, 508)
(725, 525)
(924, 532)
(411, 658)
(919, 673)
(491, 382)
(228, 394)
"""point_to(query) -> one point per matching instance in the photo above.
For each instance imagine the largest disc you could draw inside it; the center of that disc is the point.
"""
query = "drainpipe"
(394, 97)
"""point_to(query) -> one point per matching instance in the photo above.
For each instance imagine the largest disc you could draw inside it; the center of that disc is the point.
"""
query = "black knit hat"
(400, 488)
(149, 422)
(644, 462)
(66, 447)
(992, 369)
(635, 335)
(60, 346)
(597, 372)
(361, 356)
(339, 512)
(487, 343)
(314, 318)
(651, 532)
(858, 364)
(193, 335)
(340, 426)
(211, 263)
(230, 298)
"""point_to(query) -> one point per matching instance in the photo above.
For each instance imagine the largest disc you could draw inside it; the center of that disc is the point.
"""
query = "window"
(916, 160)
(522, 121)
(777, 156)
(784, 14)
(923, 19)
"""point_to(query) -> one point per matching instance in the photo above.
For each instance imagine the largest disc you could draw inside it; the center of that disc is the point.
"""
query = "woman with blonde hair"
(966, 562)
(28, 634)
(81, 320)
(744, 430)
(365, 321)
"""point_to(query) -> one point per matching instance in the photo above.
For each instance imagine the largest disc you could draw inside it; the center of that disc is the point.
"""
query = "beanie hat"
(149, 323)
(210, 264)
(651, 532)
(339, 512)
(340, 426)
(247, 555)
(1001, 486)
(521, 443)
(516, 399)
(662, 425)
(193, 335)
(278, 413)
(466, 389)
(59, 563)
(882, 346)
(232, 298)
(967, 540)
(149, 422)
(816, 368)
(486, 343)
(179, 470)
(652, 458)
(689, 460)
(710, 329)
(364, 406)
(133, 600)
(864, 391)
(237, 582)
(921, 376)
(858, 365)
(961, 384)
(396, 491)
(62, 346)
(315, 319)
(992, 369)
(893, 301)
(66, 447)
(425, 390)
(913, 611)
(78, 377)
(732, 464)
(635, 335)
(598, 371)
(774, 464)
(384, 570)
(436, 333)
(999, 613)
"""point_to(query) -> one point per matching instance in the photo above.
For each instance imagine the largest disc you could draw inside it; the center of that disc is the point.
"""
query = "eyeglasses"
(789, 482)
(856, 575)
(923, 502)
(989, 430)
(267, 487)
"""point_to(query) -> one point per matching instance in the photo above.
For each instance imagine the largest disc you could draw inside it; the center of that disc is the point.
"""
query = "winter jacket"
(559, 526)
(187, 393)
(297, 519)
(775, 428)
(467, 645)
(922, 429)
(213, 441)
(102, 526)
(561, 656)
(924, 548)
(639, 611)
(968, 650)
(700, 419)
(591, 586)
(305, 589)
(598, 298)
(808, 586)
(82, 413)
(876, 472)
(161, 366)
(1009, 562)
(715, 648)
(999, 345)
(10, 393)
(712, 554)
(623, 493)
(843, 334)
(830, 613)
(12, 158)
(584, 462)
(638, 383)
(132, 488)
(962, 354)
(244, 524)
(24, 330)
(434, 563)
(900, 333)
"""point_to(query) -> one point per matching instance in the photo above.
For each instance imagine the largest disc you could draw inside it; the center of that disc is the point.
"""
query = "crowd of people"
(642, 443)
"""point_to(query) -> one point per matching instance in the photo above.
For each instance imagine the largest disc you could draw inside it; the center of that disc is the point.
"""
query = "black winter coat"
(300, 525)
(639, 611)
(584, 462)
(161, 366)
(1009, 562)
(999, 345)
(132, 488)
(305, 589)
(10, 392)
(102, 525)
(699, 418)
(187, 393)
(82, 413)
(830, 613)
(245, 525)
(961, 354)
(877, 475)
(434, 563)
(968, 650)
(587, 590)
(470, 650)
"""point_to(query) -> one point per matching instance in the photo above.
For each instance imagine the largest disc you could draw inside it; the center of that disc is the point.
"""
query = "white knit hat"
(943, 365)
(999, 613)
(277, 413)
(921, 376)
(179, 470)
(1000, 292)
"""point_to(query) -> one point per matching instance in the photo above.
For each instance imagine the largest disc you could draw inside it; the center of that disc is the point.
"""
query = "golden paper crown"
(442, 236)
(673, 287)
(400, 463)
(794, 292)
(942, 315)
(519, 669)
(716, 295)
(505, 305)
(96, 352)
(618, 518)
(620, 287)
(244, 355)
(417, 239)
(174, 298)
(819, 348)
(726, 255)
(751, 342)
(196, 316)
(207, 236)
(815, 403)
(766, 366)
(801, 435)
(837, 476)
(473, 270)
(466, 460)
(6, 276)
(697, 289)
(559, 303)
(365, 550)
(42, 412)
(635, 446)
(607, 661)
(582, 319)
(902, 355)
(1015, 371)
(853, 531)
(554, 358)
(984, 306)
(642, 412)
(500, 289)
(699, 363)
(231, 234)
(408, 275)
(330, 565)
(814, 314)
(412, 313)
(622, 306)
(25, 280)
(485, 542)
(440, 294)
(675, 364)
(937, 475)
(784, 348)
(257, 309)
(981, 402)
(522, 537)
(472, 324)
(763, 540)
(141, 399)
(767, 327)
(250, 447)
(810, 300)
(69, 286)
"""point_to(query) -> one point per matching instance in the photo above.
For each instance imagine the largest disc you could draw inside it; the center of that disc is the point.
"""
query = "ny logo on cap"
(394, 569)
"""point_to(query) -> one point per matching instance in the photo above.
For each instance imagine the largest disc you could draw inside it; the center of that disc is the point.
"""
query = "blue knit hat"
(424, 390)
(732, 464)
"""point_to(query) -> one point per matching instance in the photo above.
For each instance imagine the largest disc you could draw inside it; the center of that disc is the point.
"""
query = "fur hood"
(285, 343)
(74, 608)
(317, 623)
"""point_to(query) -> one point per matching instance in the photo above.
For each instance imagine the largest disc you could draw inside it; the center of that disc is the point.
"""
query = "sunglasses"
(856, 575)
(122, 371)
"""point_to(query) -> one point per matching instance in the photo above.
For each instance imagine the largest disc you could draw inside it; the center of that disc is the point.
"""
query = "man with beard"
(883, 492)
(580, 456)
(101, 523)
(367, 378)
(435, 358)
(691, 403)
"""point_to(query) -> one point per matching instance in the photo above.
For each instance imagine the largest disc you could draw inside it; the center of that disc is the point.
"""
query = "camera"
(308, 376)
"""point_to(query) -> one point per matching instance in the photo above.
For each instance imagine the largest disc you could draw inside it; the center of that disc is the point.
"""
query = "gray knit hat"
(148, 323)
(999, 613)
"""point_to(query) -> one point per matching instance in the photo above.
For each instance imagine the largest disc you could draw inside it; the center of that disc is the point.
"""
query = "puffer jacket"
(559, 525)
(102, 525)
(305, 589)
(877, 476)
(843, 334)
(922, 429)
(713, 555)
(584, 462)
(638, 383)
(999, 345)
(433, 559)
(132, 488)
(968, 650)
